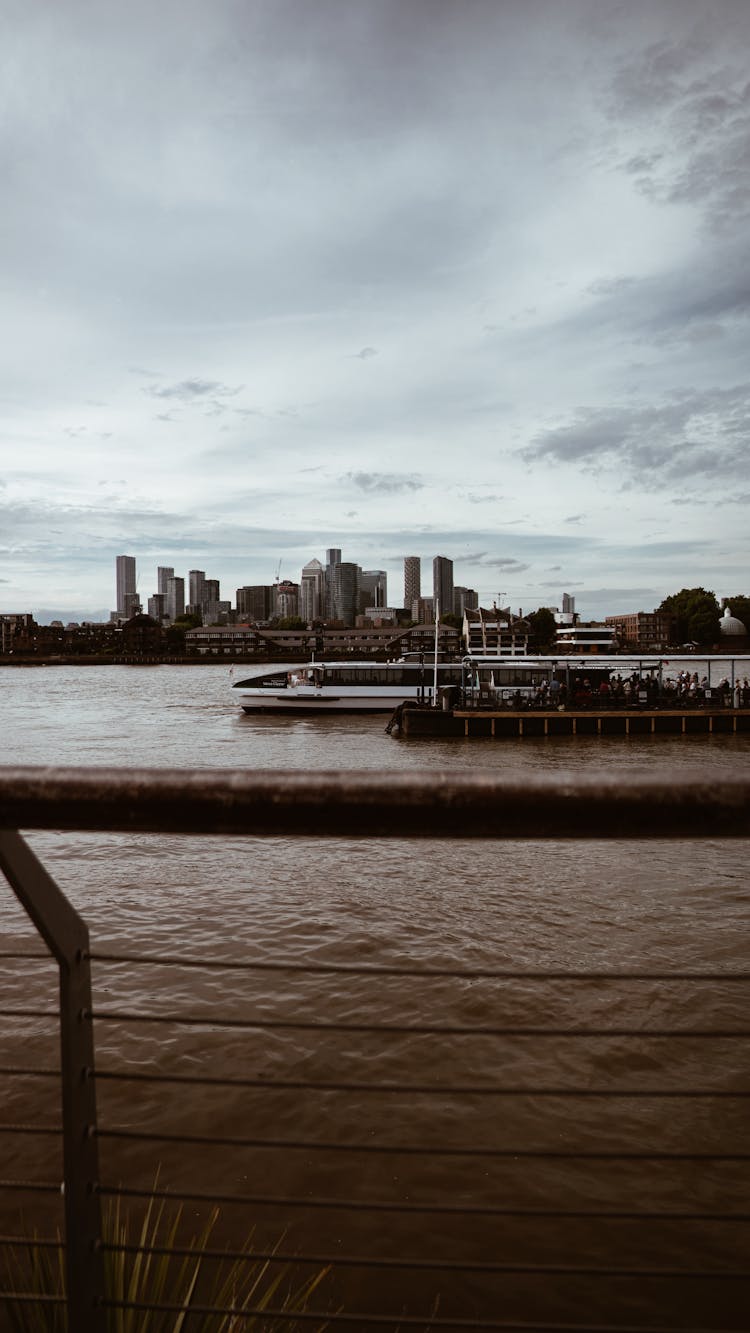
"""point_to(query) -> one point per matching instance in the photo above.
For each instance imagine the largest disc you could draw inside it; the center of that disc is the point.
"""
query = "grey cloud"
(610, 286)
(187, 390)
(574, 518)
(694, 93)
(384, 483)
(503, 562)
(366, 353)
(695, 434)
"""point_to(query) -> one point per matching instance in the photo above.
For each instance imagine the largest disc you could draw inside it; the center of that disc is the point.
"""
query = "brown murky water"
(461, 906)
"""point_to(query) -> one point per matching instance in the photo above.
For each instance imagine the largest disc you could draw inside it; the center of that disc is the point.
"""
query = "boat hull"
(335, 702)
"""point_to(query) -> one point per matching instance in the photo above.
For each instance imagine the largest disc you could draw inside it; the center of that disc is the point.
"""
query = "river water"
(460, 906)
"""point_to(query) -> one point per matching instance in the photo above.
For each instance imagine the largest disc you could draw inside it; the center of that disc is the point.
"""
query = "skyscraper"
(175, 598)
(255, 602)
(333, 558)
(464, 599)
(373, 588)
(163, 573)
(125, 571)
(442, 583)
(346, 578)
(311, 591)
(196, 589)
(412, 580)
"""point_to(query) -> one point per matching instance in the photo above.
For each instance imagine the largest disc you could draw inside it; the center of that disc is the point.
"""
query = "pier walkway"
(506, 723)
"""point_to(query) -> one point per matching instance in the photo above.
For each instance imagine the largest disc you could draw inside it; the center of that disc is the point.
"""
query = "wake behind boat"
(343, 687)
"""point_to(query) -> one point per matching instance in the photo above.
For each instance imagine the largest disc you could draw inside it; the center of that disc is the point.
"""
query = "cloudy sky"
(458, 277)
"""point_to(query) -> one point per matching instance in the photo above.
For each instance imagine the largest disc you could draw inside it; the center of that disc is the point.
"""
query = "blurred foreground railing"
(373, 805)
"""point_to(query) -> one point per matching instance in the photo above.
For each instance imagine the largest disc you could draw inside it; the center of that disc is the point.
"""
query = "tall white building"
(126, 579)
(312, 591)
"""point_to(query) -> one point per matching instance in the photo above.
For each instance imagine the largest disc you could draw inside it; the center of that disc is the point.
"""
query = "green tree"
(450, 619)
(543, 627)
(696, 615)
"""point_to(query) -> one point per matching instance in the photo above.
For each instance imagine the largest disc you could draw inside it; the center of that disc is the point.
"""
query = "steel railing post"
(66, 935)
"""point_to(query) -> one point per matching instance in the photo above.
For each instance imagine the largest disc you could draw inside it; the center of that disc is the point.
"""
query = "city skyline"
(412, 278)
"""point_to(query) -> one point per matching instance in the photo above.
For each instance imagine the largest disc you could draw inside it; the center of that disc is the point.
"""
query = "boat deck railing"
(623, 1208)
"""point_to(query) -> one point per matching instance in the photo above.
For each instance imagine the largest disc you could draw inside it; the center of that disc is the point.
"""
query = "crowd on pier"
(616, 691)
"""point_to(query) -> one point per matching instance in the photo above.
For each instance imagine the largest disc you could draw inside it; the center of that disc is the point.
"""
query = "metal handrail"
(439, 804)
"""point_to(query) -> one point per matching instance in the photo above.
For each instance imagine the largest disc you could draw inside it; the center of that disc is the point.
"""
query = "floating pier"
(511, 724)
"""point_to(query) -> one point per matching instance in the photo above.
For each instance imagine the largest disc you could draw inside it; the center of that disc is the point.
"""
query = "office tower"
(125, 571)
(412, 580)
(287, 599)
(373, 589)
(312, 591)
(568, 604)
(255, 602)
(333, 558)
(442, 583)
(345, 591)
(210, 601)
(157, 606)
(132, 604)
(196, 582)
(464, 599)
(175, 598)
(423, 610)
(163, 573)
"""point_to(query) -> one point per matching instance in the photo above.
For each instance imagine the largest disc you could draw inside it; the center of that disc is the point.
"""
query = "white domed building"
(733, 632)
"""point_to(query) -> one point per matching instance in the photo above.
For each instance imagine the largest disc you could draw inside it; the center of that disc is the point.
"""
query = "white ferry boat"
(379, 687)
(343, 687)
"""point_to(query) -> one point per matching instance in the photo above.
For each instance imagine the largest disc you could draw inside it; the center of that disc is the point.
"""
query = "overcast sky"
(457, 277)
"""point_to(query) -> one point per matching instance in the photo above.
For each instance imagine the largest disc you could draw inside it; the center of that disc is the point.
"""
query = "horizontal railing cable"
(406, 1029)
(362, 1320)
(33, 1013)
(31, 1297)
(41, 1242)
(425, 1206)
(33, 1186)
(425, 1265)
(422, 1150)
(30, 1129)
(400, 970)
(421, 1089)
(30, 1072)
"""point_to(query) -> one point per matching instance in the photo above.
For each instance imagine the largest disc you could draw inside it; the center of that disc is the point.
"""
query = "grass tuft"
(139, 1268)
